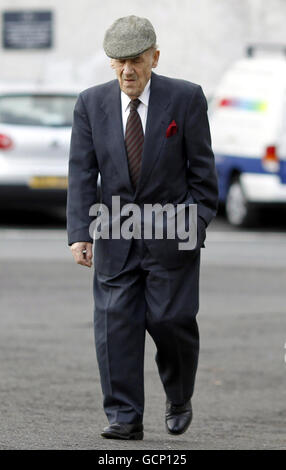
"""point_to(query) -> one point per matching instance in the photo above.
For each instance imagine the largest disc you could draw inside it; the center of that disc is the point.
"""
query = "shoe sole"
(136, 436)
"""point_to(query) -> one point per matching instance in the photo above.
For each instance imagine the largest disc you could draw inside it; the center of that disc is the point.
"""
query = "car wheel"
(239, 211)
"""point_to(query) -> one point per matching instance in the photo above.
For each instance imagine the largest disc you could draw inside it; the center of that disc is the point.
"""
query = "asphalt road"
(49, 382)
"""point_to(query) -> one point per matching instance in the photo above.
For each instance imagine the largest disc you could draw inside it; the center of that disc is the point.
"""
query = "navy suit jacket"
(177, 169)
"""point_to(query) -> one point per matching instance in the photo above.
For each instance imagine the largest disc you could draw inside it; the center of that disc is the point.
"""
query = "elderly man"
(148, 137)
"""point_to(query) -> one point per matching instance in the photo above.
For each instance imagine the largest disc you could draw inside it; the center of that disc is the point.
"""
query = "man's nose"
(128, 68)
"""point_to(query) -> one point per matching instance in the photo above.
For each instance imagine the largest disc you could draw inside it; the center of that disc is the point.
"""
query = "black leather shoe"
(178, 417)
(123, 431)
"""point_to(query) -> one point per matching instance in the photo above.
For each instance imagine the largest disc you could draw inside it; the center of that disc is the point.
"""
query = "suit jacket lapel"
(113, 129)
(158, 119)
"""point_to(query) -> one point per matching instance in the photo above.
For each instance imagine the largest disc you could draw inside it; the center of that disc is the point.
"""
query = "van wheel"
(239, 211)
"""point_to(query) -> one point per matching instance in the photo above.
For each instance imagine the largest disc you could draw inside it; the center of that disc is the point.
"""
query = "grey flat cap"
(128, 37)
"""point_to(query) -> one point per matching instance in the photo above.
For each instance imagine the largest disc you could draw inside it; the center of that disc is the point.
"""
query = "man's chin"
(130, 90)
(131, 93)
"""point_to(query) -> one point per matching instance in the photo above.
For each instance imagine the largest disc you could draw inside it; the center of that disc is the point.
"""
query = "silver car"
(35, 129)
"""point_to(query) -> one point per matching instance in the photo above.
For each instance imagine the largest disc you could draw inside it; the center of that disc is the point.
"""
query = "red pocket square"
(172, 129)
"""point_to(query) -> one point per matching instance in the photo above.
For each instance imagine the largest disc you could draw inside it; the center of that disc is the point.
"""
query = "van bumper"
(263, 188)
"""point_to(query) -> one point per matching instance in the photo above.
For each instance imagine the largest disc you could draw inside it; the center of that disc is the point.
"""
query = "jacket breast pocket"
(173, 139)
(173, 145)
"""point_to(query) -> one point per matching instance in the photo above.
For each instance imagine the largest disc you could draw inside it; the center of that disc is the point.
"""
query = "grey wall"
(198, 39)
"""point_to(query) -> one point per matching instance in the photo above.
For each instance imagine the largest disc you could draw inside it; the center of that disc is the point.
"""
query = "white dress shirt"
(142, 108)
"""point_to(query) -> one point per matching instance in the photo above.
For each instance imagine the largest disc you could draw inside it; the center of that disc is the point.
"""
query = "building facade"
(198, 39)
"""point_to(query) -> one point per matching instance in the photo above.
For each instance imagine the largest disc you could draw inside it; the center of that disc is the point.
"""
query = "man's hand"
(82, 253)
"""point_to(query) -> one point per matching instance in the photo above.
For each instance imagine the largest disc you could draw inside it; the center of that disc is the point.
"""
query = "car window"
(37, 110)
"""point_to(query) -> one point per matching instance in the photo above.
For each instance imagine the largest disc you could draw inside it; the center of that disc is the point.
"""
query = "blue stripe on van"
(283, 171)
(227, 164)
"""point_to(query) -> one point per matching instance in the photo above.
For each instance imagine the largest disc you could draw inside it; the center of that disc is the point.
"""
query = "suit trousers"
(145, 296)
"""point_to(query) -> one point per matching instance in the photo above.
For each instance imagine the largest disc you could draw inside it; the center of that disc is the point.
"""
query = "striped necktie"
(134, 140)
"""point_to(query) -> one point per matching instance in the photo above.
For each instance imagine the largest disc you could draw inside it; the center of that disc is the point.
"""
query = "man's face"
(133, 74)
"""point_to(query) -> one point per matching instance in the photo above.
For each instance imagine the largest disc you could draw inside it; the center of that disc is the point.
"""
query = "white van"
(248, 126)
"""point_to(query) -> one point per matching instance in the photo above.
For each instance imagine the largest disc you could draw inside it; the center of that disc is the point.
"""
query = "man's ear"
(112, 65)
(155, 58)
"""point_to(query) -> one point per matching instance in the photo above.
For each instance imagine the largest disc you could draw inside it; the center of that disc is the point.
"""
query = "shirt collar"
(144, 97)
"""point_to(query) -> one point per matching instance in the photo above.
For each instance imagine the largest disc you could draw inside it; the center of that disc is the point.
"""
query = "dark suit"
(143, 284)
